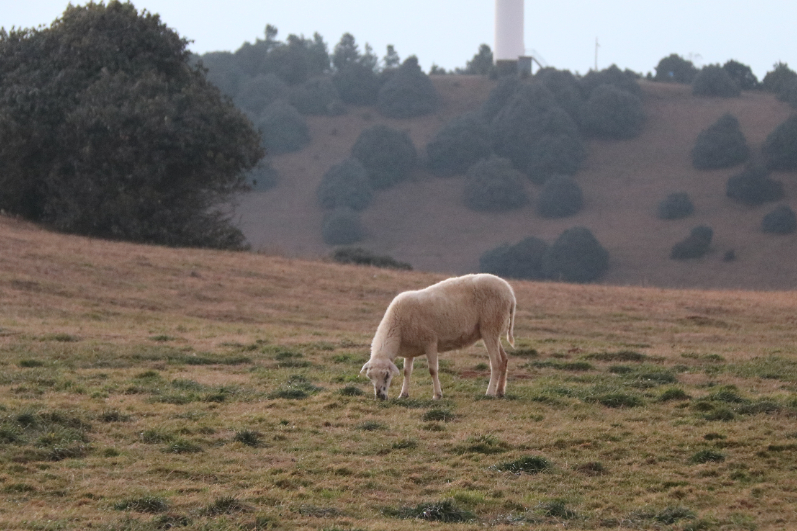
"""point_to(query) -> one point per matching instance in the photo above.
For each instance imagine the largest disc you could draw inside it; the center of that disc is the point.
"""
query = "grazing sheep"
(449, 315)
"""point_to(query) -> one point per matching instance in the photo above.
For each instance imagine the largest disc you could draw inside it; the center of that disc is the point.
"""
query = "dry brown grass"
(118, 360)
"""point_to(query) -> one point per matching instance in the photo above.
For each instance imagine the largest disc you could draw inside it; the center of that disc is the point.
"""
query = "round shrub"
(779, 78)
(575, 256)
(317, 96)
(780, 146)
(259, 92)
(741, 74)
(345, 185)
(753, 186)
(357, 84)
(458, 145)
(694, 246)
(560, 197)
(499, 96)
(721, 145)
(387, 154)
(284, 130)
(624, 80)
(565, 88)
(342, 227)
(782, 220)
(408, 92)
(675, 68)
(493, 185)
(713, 80)
(522, 260)
(675, 206)
(612, 112)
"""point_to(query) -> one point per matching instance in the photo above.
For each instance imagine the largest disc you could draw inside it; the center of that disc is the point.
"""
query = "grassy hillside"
(147, 388)
(424, 222)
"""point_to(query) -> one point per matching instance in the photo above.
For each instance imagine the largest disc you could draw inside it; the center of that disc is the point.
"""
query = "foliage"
(346, 52)
(445, 511)
(387, 154)
(753, 186)
(530, 464)
(317, 96)
(342, 227)
(522, 260)
(675, 68)
(611, 112)
(721, 145)
(499, 96)
(357, 84)
(259, 92)
(391, 58)
(481, 64)
(779, 78)
(621, 79)
(780, 146)
(345, 185)
(782, 220)
(675, 206)
(458, 145)
(93, 109)
(560, 197)
(493, 185)
(566, 90)
(360, 256)
(714, 80)
(408, 92)
(284, 130)
(695, 245)
(741, 74)
(293, 61)
(575, 256)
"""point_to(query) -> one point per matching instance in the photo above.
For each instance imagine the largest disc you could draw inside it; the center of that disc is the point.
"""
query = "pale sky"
(632, 34)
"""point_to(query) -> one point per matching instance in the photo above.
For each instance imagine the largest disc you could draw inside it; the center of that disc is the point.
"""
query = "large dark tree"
(107, 130)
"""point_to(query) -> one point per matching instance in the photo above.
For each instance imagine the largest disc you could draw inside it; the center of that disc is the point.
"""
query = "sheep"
(449, 315)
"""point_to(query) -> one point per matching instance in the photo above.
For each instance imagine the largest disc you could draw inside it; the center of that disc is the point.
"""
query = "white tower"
(509, 44)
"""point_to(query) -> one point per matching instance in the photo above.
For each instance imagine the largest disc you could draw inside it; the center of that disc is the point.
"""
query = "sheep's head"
(380, 372)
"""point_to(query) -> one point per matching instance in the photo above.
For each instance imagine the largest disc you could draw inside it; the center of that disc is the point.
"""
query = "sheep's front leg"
(405, 385)
(431, 357)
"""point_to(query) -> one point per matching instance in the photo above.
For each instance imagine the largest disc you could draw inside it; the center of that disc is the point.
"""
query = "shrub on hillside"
(621, 79)
(317, 96)
(342, 227)
(675, 206)
(499, 96)
(789, 94)
(259, 92)
(493, 185)
(753, 186)
(284, 130)
(357, 84)
(387, 154)
(409, 92)
(675, 68)
(721, 145)
(575, 256)
(694, 246)
(779, 78)
(612, 112)
(522, 260)
(780, 146)
(458, 145)
(360, 256)
(566, 89)
(713, 80)
(345, 185)
(560, 197)
(741, 74)
(782, 220)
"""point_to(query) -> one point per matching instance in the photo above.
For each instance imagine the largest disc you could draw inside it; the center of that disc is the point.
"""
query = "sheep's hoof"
(404, 395)
(437, 397)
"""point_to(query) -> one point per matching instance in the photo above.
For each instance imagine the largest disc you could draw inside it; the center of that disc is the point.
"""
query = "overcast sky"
(632, 34)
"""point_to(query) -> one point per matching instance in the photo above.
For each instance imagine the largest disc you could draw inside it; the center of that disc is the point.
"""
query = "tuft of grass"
(248, 437)
(370, 425)
(533, 464)
(556, 509)
(226, 505)
(30, 363)
(438, 415)
(405, 444)
(707, 456)
(592, 468)
(623, 355)
(445, 511)
(673, 393)
(483, 444)
(351, 390)
(617, 400)
(671, 515)
(182, 446)
(145, 504)
(114, 415)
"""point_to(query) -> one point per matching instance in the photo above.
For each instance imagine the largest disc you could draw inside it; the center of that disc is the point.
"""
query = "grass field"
(147, 388)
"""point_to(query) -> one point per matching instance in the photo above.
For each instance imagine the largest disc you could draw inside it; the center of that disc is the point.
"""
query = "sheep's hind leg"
(431, 357)
(501, 391)
(405, 385)
(497, 367)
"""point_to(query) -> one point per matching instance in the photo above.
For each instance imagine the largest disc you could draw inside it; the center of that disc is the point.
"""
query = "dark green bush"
(458, 145)
(554, 154)
(623, 80)
(504, 90)
(694, 246)
(284, 129)
(345, 185)
(782, 220)
(753, 186)
(741, 74)
(482, 62)
(409, 92)
(560, 197)
(342, 227)
(721, 145)
(575, 256)
(317, 96)
(780, 146)
(566, 89)
(493, 185)
(522, 260)
(675, 206)
(779, 78)
(713, 80)
(387, 154)
(675, 68)
(612, 112)
(259, 92)
(357, 84)
(360, 256)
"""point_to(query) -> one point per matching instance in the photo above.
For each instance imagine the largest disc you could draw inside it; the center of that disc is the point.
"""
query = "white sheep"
(449, 315)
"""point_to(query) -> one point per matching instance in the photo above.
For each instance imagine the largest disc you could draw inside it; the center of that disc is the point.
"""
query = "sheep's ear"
(393, 369)
(365, 367)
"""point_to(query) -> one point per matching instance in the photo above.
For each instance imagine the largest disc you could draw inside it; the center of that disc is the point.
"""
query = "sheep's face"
(381, 373)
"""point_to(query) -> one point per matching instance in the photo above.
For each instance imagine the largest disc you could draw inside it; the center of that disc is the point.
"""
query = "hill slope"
(424, 222)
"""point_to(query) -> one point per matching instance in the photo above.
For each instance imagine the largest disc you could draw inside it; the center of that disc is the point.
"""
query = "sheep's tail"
(510, 333)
